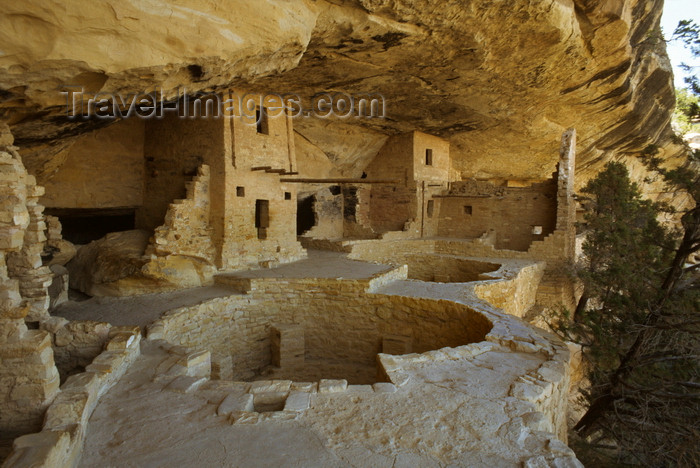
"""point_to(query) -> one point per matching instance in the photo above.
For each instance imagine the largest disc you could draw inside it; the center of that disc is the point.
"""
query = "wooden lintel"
(342, 181)
(462, 196)
(261, 168)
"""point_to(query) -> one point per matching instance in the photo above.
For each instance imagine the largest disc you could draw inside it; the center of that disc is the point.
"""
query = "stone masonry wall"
(26, 264)
(174, 149)
(181, 250)
(513, 212)
(28, 377)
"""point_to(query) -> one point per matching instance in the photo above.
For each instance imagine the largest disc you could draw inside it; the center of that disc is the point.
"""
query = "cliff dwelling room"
(329, 233)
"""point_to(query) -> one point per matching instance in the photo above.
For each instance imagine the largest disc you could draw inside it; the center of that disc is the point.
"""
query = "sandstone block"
(310, 387)
(332, 386)
(298, 401)
(68, 408)
(267, 386)
(43, 449)
(359, 389)
(115, 330)
(87, 382)
(384, 387)
(53, 324)
(186, 384)
(122, 341)
(236, 403)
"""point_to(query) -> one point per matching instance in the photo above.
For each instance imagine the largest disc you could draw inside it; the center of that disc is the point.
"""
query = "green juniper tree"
(639, 319)
(640, 331)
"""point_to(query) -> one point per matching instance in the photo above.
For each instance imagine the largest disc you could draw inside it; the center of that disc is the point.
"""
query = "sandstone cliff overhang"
(500, 80)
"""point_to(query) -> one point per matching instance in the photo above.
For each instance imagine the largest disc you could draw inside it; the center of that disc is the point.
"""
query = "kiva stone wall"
(343, 325)
(60, 441)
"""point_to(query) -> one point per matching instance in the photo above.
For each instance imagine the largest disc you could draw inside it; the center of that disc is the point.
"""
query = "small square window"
(287, 195)
(467, 209)
(240, 191)
(428, 157)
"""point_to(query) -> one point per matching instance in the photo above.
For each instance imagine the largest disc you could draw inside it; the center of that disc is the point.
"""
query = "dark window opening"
(428, 157)
(287, 195)
(262, 217)
(82, 226)
(306, 219)
(429, 208)
(467, 210)
(334, 189)
(240, 191)
(261, 123)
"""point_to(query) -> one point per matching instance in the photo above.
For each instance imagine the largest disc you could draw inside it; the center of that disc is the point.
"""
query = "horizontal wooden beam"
(342, 181)
(463, 196)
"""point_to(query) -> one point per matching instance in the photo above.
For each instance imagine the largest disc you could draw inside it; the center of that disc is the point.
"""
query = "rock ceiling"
(500, 79)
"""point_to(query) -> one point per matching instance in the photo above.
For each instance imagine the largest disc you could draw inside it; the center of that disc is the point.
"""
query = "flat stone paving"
(319, 264)
(456, 414)
(137, 310)
(144, 309)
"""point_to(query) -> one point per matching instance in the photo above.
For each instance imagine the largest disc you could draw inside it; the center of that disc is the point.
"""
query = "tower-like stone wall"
(28, 377)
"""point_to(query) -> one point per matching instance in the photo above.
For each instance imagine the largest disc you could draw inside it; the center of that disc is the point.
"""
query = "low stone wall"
(59, 444)
(513, 288)
(231, 327)
(447, 268)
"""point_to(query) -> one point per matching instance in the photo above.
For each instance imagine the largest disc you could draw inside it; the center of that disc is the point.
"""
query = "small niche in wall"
(537, 230)
(428, 157)
(467, 209)
(240, 191)
(429, 209)
(287, 195)
(261, 123)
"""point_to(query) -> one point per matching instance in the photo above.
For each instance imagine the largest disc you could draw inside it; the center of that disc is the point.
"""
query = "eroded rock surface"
(102, 263)
(500, 80)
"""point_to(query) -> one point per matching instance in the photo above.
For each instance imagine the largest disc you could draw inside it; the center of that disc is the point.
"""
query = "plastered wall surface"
(102, 169)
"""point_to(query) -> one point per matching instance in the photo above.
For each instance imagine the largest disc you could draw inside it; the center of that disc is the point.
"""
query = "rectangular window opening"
(428, 157)
(429, 208)
(240, 191)
(261, 122)
(262, 217)
(467, 209)
(287, 195)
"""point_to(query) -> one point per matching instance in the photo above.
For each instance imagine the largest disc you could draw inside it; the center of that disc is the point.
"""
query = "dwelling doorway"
(262, 217)
(305, 215)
